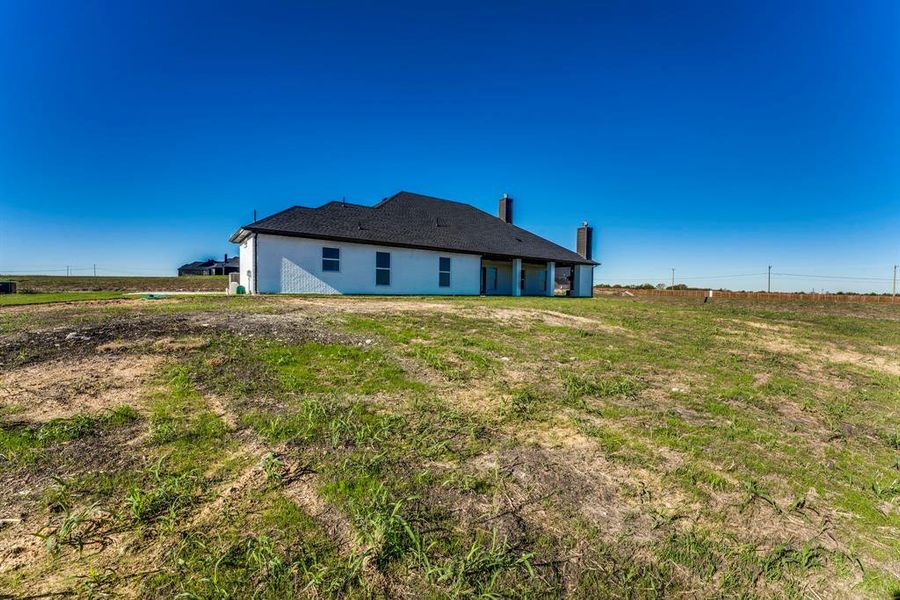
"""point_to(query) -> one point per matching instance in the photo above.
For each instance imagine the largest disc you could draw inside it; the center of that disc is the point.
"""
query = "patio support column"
(517, 277)
(551, 277)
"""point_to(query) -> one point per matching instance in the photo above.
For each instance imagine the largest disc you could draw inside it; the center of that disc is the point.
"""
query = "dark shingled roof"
(234, 261)
(414, 221)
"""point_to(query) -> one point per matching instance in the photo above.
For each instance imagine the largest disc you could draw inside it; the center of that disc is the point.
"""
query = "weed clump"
(577, 387)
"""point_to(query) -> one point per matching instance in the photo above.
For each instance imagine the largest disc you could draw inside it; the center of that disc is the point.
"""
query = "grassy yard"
(44, 284)
(214, 447)
(45, 298)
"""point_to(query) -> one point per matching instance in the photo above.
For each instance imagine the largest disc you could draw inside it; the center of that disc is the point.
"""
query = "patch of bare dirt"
(872, 361)
(419, 370)
(297, 482)
(765, 326)
(549, 317)
(219, 407)
(570, 469)
(818, 373)
(627, 501)
(775, 519)
(37, 346)
(477, 398)
(830, 353)
(778, 340)
(303, 491)
(399, 305)
(806, 424)
(371, 305)
(784, 342)
(22, 488)
(164, 344)
(63, 388)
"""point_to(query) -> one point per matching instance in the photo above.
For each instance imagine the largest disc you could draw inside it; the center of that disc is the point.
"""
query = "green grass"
(289, 553)
(47, 298)
(83, 283)
(25, 442)
(444, 343)
(182, 426)
(335, 368)
(649, 448)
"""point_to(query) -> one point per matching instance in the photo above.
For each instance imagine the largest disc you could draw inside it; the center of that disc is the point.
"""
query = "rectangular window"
(522, 279)
(444, 271)
(382, 268)
(331, 259)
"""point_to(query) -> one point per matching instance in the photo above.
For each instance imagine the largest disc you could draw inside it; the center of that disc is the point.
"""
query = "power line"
(691, 277)
(832, 277)
(31, 271)
(763, 274)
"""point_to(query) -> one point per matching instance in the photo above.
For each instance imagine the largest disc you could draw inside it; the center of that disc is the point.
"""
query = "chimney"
(505, 211)
(585, 241)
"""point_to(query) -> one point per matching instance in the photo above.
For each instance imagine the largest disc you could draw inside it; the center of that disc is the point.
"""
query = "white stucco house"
(406, 244)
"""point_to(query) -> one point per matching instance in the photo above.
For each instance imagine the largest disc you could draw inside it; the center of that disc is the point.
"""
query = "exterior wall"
(247, 251)
(551, 279)
(294, 265)
(504, 278)
(583, 281)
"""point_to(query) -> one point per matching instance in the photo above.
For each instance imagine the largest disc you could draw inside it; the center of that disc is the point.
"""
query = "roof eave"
(337, 238)
(240, 235)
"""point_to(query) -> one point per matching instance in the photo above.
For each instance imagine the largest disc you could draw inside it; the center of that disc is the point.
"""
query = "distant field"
(45, 298)
(276, 447)
(53, 283)
(765, 296)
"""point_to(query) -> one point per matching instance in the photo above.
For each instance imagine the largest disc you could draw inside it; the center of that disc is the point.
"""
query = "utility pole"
(769, 288)
(673, 276)
(67, 270)
(95, 270)
(894, 292)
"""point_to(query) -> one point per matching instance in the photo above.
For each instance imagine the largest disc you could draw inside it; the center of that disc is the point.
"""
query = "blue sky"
(713, 137)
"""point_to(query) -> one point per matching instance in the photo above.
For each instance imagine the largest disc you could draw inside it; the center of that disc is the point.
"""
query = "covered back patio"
(502, 276)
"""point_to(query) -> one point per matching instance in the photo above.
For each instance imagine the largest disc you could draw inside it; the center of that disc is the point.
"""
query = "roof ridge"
(270, 216)
(340, 202)
(460, 203)
(384, 201)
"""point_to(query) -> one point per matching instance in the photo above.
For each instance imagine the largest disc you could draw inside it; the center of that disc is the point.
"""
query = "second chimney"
(504, 213)
(585, 240)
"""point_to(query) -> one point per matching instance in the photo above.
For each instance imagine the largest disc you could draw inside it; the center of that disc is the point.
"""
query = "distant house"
(211, 267)
(406, 244)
